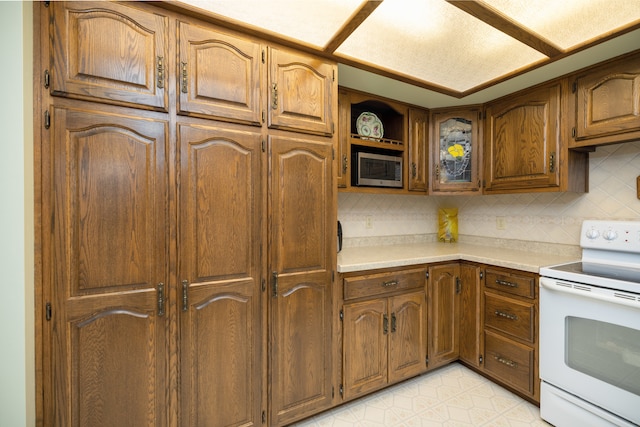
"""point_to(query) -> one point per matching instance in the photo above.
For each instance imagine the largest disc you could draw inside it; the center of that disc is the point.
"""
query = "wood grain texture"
(88, 59)
(443, 314)
(223, 73)
(109, 180)
(418, 150)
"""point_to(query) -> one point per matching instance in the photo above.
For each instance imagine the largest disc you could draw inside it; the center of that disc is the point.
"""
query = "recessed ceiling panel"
(311, 22)
(570, 23)
(433, 41)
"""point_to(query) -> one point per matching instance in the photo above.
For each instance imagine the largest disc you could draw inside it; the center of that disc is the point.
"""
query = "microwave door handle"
(552, 286)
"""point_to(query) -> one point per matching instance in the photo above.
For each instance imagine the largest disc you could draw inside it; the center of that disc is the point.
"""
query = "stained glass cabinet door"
(456, 151)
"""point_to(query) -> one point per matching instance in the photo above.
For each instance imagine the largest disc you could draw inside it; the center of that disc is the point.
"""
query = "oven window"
(605, 351)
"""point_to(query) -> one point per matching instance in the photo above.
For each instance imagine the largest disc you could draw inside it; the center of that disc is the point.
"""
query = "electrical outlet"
(501, 223)
(368, 222)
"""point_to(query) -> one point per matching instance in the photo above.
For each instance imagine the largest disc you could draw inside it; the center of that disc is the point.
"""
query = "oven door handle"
(624, 298)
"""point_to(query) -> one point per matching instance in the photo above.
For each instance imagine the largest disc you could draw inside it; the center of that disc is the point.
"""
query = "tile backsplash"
(553, 218)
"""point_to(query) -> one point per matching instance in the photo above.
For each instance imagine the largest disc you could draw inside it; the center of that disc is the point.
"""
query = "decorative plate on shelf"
(369, 125)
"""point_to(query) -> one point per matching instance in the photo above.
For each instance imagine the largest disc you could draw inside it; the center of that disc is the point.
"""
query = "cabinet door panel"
(418, 149)
(470, 313)
(407, 338)
(300, 92)
(364, 347)
(456, 151)
(220, 269)
(523, 141)
(609, 101)
(223, 75)
(302, 228)
(110, 52)
(108, 181)
(443, 314)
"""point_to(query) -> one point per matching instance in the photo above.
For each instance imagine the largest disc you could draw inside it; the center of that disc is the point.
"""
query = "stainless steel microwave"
(378, 170)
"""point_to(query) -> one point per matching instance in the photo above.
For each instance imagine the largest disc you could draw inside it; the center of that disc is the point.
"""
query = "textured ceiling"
(455, 48)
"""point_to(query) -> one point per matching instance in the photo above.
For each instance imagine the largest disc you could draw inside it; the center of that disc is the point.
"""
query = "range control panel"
(611, 235)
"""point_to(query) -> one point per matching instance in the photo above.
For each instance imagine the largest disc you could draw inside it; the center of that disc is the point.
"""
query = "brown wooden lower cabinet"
(384, 330)
(483, 316)
(510, 311)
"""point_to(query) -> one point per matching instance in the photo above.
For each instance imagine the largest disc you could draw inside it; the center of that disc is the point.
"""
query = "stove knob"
(610, 235)
(593, 234)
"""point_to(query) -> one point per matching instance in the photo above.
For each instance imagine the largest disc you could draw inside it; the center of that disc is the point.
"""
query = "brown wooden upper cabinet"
(607, 101)
(300, 92)
(456, 151)
(220, 75)
(110, 53)
(524, 146)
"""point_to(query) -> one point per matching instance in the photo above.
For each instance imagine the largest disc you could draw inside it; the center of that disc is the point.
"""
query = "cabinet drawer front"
(381, 283)
(511, 283)
(510, 316)
(509, 361)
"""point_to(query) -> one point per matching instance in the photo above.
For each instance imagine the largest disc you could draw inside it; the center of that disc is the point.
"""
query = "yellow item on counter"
(448, 225)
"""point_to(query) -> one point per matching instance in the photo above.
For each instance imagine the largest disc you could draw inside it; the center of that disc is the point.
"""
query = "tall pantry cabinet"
(187, 205)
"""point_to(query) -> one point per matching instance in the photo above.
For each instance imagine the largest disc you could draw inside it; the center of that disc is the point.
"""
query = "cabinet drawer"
(509, 361)
(515, 284)
(510, 316)
(381, 283)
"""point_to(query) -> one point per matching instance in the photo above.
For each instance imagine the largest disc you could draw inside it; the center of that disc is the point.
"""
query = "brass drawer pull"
(510, 363)
(390, 283)
(385, 324)
(506, 315)
(505, 283)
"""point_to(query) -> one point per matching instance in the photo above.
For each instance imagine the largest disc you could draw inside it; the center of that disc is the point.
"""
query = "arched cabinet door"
(221, 263)
(302, 237)
(220, 75)
(301, 92)
(108, 327)
(110, 53)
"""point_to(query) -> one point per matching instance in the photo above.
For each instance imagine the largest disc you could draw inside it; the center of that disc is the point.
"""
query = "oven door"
(590, 345)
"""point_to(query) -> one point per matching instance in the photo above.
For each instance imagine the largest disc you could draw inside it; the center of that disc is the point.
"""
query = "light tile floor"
(450, 396)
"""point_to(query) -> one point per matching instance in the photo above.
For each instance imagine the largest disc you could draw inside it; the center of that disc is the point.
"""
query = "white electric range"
(590, 330)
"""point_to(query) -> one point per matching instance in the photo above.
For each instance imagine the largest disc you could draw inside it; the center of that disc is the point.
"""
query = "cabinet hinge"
(480, 359)
(426, 275)
(574, 87)
(458, 285)
(263, 116)
(341, 315)
(481, 274)
(426, 361)
(333, 392)
(47, 119)
(264, 59)
(47, 311)
(264, 285)
(573, 132)
(47, 79)
(264, 146)
(333, 153)
(341, 390)
(264, 417)
(334, 74)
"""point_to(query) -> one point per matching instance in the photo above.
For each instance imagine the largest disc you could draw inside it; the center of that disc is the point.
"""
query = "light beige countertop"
(373, 257)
